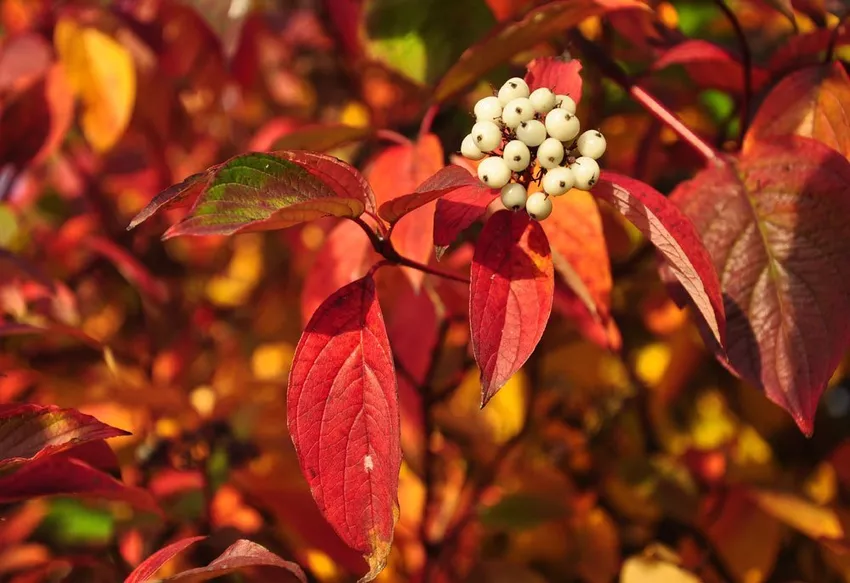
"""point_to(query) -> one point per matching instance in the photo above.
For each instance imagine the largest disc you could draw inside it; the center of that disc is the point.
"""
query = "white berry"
(488, 109)
(512, 89)
(487, 135)
(566, 102)
(514, 196)
(558, 181)
(586, 172)
(531, 132)
(550, 153)
(591, 144)
(469, 150)
(516, 155)
(538, 206)
(562, 125)
(517, 111)
(542, 99)
(494, 172)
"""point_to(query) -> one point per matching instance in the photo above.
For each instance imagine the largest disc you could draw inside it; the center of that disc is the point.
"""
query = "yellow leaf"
(102, 75)
(812, 520)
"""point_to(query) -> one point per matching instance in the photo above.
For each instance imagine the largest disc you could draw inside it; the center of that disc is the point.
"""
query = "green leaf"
(521, 511)
(416, 38)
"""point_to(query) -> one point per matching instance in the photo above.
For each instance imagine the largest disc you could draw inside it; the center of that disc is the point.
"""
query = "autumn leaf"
(30, 432)
(396, 172)
(813, 102)
(710, 66)
(241, 554)
(675, 237)
(345, 256)
(773, 221)
(441, 183)
(343, 416)
(511, 290)
(260, 192)
(102, 74)
(62, 475)
(458, 210)
(563, 77)
(508, 39)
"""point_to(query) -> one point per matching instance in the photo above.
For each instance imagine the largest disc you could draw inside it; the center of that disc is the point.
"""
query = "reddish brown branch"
(746, 61)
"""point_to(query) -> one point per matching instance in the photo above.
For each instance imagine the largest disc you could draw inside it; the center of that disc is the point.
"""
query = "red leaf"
(561, 76)
(133, 271)
(602, 333)
(806, 48)
(260, 192)
(774, 221)
(676, 239)
(322, 137)
(65, 476)
(710, 66)
(511, 289)
(813, 102)
(31, 432)
(23, 59)
(443, 182)
(510, 38)
(342, 413)
(346, 256)
(51, 330)
(397, 171)
(148, 568)
(457, 210)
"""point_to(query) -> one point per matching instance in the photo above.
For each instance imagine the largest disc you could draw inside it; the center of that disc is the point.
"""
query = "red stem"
(385, 248)
(392, 136)
(657, 109)
(428, 120)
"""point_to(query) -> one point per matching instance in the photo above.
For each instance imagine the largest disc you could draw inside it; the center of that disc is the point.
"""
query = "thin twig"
(616, 73)
(746, 61)
(428, 120)
(392, 136)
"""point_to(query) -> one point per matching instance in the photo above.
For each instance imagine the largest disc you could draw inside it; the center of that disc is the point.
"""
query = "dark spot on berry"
(517, 158)
(485, 178)
(563, 184)
(513, 85)
(598, 135)
(518, 109)
(592, 181)
(522, 124)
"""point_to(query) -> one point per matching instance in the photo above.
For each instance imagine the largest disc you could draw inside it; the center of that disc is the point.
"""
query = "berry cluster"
(519, 127)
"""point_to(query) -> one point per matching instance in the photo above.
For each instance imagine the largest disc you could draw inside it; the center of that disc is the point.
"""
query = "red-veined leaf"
(508, 39)
(98, 455)
(61, 475)
(675, 237)
(561, 76)
(148, 568)
(710, 66)
(774, 222)
(444, 181)
(511, 289)
(30, 432)
(813, 102)
(179, 195)
(264, 191)
(345, 256)
(241, 554)
(342, 413)
(457, 210)
(397, 171)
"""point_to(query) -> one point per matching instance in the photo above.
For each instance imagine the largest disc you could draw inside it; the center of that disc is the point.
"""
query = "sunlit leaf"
(710, 66)
(561, 76)
(511, 290)
(773, 223)
(342, 397)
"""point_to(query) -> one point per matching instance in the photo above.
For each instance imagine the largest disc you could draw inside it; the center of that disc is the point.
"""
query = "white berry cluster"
(518, 127)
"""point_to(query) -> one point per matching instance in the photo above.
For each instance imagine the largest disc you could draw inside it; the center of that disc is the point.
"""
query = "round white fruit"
(494, 172)
(591, 144)
(488, 109)
(517, 111)
(531, 132)
(558, 181)
(516, 155)
(550, 153)
(562, 125)
(542, 99)
(586, 172)
(487, 135)
(565, 102)
(538, 206)
(514, 196)
(512, 89)
(469, 150)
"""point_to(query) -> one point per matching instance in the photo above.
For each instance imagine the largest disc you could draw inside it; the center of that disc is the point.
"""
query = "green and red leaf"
(774, 221)
(343, 416)
(512, 284)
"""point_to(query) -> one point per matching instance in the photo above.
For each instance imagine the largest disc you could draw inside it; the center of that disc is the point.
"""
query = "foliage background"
(635, 436)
